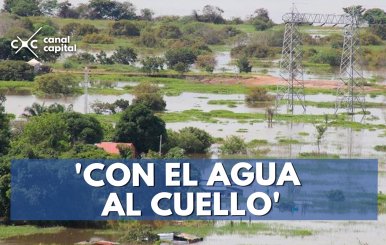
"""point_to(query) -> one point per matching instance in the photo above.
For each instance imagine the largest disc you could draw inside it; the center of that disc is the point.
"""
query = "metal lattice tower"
(350, 90)
(291, 68)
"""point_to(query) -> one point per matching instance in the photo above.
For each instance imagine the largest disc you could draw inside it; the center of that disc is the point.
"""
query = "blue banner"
(181, 189)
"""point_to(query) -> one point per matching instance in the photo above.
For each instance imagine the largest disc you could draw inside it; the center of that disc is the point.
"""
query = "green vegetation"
(229, 103)
(15, 71)
(25, 230)
(190, 139)
(382, 203)
(202, 228)
(138, 125)
(381, 148)
(233, 145)
(55, 84)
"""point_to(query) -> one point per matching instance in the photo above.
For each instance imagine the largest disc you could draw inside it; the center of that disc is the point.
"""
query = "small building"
(112, 147)
(36, 64)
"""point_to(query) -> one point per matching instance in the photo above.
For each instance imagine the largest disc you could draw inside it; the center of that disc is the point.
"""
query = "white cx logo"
(29, 44)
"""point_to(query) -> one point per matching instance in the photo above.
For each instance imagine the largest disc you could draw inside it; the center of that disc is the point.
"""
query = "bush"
(65, 84)
(252, 50)
(368, 38)
(330, 57)
(257, 95)
(206, 62)
(11, 70)
(124, 56)
(76, 29)
(98, 39)
(184, 56)
(191, 140)
(152, 65)
(124, 28)
(244, 65)
(169, 32)
(149, 95)
(234, 145)
(149, 39)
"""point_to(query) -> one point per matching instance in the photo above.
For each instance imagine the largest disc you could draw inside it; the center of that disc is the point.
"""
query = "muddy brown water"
(323, 232)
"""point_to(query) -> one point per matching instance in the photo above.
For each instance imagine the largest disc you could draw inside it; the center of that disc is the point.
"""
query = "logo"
(54, 45)
(28, 44)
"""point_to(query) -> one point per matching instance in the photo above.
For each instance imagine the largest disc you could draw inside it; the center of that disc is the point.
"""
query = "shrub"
(152, 65)
(256, 95)
(11, 70)
(169, 32)
(244, 65)
(76, 29)
(330, 57)
(149, 39)
(124, 56)
(98, 39)
(124, 28)
(65, 84)
(184, 56)
(149, 95)
(206, 62)
(368, 38)
(192, 140)
(234, 145)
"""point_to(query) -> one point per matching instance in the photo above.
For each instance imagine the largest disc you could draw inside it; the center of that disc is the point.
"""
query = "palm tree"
(39, 109)
(34, 110)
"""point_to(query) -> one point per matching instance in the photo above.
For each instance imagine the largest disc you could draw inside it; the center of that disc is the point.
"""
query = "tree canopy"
(139, 125)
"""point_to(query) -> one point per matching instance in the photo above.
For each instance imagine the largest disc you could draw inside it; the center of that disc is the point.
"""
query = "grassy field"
(25, 230)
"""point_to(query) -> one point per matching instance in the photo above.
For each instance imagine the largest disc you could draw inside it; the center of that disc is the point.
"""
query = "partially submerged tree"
(139, 125)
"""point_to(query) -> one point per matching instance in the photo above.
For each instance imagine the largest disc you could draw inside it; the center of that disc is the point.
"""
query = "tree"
(377, 18)
(48, 7)
(66, 11)
(175, 153)
(169, 32)
(244, 65)
(234, 145)
(256, 95)
(5, 132)
(261, 20)
(44, 136)
(149, 95)
(355, 10)
(124, 56)
(211, 14)
(22, 7)
(12, 70)
(124, 28)
(103, 59)
(149, 39)
(139, 125)
(83, 128)
(5, 188)
(180, 59)
(39, 109)
(65, 84)
(191, 140)
(321, 129)
(152, 65)
(125, 151)
(147, 14)
(111, 10)
(206, 62)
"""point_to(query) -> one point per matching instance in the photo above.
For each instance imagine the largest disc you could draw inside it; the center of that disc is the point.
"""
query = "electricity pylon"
(350, 89)
(350, 92)
(291, 68)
